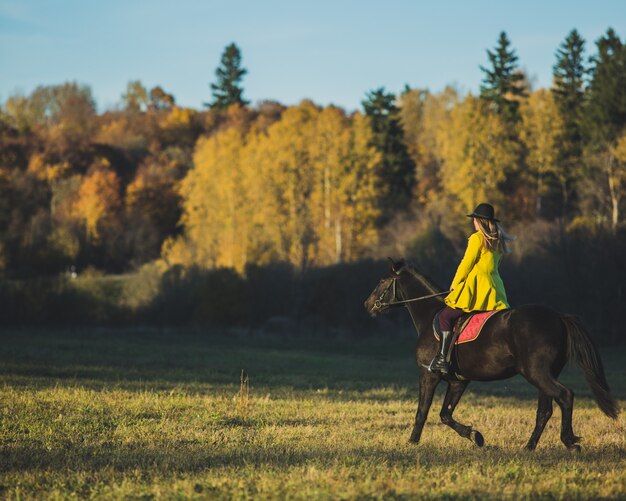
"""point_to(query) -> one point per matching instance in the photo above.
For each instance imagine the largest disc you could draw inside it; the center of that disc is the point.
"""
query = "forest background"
(279, 218)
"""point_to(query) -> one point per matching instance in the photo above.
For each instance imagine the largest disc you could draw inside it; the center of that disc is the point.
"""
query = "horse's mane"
(423, 279)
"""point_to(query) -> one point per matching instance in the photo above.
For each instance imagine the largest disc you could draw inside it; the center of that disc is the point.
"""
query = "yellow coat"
(477, 285)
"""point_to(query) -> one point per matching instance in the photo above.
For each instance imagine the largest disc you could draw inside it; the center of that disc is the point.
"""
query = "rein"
(379, 302)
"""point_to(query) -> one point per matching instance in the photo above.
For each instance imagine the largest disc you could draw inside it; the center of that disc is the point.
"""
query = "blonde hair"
(494, 236)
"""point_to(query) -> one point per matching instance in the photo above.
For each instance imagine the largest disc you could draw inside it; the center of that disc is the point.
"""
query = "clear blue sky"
(331, 51)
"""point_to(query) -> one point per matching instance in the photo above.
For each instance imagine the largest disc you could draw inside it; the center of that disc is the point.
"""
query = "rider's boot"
(441, 363)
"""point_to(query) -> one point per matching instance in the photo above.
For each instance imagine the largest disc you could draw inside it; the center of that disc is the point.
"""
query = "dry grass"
(153, 415)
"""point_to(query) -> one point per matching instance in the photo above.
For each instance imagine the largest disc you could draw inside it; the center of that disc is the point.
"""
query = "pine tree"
(606, 112)
(504, 83)
(227, 90)
(569, 81)
(569, 94)
(606, 115)
(396, 172)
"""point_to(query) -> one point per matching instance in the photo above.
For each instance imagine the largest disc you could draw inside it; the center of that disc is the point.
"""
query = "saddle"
(467, 327)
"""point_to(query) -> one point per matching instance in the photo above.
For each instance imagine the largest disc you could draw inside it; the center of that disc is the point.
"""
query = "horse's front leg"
(428, 383)
(453, 395)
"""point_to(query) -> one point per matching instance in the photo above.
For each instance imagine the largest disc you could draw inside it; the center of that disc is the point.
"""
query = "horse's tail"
(581, 348)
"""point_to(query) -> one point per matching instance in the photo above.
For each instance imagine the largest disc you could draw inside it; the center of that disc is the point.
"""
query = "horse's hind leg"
(544, 412)
(428, 383)
(453, 395)
(565, 398)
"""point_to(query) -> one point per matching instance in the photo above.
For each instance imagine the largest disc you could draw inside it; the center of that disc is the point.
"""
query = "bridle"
(392, 285)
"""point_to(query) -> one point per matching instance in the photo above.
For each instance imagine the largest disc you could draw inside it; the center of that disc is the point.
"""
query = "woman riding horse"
(532, 340)
(477, 285)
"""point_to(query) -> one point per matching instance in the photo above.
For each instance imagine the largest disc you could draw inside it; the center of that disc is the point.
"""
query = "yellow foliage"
(303, 192)
(64, 241)
(44, 171)
(178, 251)
(213, 201)
(358, 197)
(542, 127)
(177, 118)
(424, 115)
(615, 170)
(98, 197)
(588, 224)
(120, 133)
(619, 149)
(478, 154)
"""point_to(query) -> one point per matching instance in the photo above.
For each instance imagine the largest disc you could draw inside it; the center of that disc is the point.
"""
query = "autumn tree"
(23, 113)
(423, 116)
(179, 127)
(24, 224)
(227, 90)
(344, 166)
(211, 217)
(542, 131)
(153, 206)
(478, 154)
(358, 197)
(161, 100)
(124, 132)
(301, 191)
(98, 199)
(293, 182)
(136, 98)
(66, 114)
(616, 177)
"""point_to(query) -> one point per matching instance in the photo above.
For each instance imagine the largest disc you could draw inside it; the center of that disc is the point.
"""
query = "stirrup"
(439, 365)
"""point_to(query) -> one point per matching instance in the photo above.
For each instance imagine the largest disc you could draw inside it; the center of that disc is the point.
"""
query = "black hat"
(484, 211)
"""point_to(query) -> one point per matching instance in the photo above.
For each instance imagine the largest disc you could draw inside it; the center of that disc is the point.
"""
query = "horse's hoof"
(530, 447)
(477, 438)
(413, 439)
(574, 448)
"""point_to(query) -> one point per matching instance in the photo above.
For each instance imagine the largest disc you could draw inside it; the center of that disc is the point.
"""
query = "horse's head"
(404, 281)
(386, 291)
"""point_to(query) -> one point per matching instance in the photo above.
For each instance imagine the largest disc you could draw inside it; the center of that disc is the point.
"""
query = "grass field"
(149, 414)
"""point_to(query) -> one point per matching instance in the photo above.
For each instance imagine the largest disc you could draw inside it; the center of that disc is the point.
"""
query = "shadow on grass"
(192, 456)
(140, 359)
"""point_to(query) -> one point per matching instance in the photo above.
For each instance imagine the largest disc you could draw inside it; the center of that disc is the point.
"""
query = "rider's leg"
(441, 363)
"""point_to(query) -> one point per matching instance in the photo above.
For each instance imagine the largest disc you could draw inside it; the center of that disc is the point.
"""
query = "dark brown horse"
(531, 340)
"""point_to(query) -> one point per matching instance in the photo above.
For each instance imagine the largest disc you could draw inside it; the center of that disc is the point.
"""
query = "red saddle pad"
(474, 326)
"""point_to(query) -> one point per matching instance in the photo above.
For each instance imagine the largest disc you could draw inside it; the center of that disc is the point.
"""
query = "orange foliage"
(98, 199)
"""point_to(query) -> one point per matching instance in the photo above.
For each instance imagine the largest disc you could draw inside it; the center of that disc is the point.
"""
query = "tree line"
(235, 185)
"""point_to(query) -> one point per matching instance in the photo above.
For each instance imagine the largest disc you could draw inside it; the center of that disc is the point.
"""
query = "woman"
(477, 285)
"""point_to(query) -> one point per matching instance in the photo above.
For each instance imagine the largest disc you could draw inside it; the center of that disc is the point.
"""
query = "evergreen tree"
(568, 91)
(503, 84)
(569, 81)
(396, 172)
(227, 90)
(606, 112)
(606, 117)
